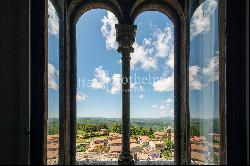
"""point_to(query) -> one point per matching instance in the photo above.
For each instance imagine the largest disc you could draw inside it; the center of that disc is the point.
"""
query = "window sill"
(169, 162)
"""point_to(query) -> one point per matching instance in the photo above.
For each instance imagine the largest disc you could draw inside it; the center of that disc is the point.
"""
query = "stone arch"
(58, 7)
(173, 10)
(77, 8)
(194, 5)
(73, 12)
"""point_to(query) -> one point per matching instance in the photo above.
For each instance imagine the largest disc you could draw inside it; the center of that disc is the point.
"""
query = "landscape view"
(99, 87)
(99, 139)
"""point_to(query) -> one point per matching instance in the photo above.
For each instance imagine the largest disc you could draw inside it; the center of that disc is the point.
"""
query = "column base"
(126, 159)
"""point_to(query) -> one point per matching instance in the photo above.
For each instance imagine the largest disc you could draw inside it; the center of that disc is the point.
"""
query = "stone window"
(126, 12)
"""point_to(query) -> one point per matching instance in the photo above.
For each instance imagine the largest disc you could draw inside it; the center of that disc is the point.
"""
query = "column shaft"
(126, 103)
(125, 37)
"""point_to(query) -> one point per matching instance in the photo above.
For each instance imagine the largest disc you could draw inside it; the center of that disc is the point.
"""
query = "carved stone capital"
(125, 36)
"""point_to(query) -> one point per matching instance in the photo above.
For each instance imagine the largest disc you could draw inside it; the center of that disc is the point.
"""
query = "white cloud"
(208, 74)
(170, 60)
(136, 86)
(108, 30)
(147, 42)
(81, 96)
(168, 101)
(211, 71)
(194, 80)
(200, 22)
(164, 84)
(141, 96)
(154, 107)
(142, 56)
(101, 79)
(53, 21)
(164, 43)
(168, 112)
(164, 108)
(116, 84)
(53, 75)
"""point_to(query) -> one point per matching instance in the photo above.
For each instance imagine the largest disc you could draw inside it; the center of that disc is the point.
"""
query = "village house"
(198, 140)
(94, 147)
(160, 135)
(155, 154)
(133, 141)
(53, 138)
(104, 132)
(115, 136)
(215, 149)
(199, 148)
(143, 140)
(99, 141)
(53, 146)
(115, 149)
(215, 137)
(52, 154)
(198, 158)
(114, 142)
(142, 156)
(158, 145)
(135, 148)
(147, 149)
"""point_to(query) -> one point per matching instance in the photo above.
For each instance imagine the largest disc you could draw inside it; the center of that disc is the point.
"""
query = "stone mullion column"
(64, 88)
(126, 101)
(125, 38)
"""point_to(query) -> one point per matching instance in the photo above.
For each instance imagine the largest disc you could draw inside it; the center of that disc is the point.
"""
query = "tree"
(117, 128)
(101, 149)
(136, 131)
(150, 133)
(81, 148)
(195, 131)
(168, 144)
(167, 152)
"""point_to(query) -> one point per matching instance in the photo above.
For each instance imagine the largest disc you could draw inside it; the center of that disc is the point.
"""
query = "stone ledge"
(170, 162)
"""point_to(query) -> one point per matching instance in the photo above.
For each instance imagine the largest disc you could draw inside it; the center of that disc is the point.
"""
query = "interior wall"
(247, 77)
(14, 81)
(236, 82)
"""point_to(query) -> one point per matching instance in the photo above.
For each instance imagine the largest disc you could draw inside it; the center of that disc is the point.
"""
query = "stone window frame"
(194, 4)
(70, 12)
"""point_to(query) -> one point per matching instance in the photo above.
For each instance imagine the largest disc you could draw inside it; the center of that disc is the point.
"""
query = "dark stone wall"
(14, 81)
(38, 75)
(236, 82)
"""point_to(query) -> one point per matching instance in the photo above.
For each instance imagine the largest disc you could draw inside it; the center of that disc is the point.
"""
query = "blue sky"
(99, 65)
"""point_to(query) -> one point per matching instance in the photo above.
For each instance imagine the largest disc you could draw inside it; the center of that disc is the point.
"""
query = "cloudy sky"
(152, 64)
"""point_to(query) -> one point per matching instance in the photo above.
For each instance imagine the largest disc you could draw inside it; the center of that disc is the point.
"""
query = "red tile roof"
(116, 149)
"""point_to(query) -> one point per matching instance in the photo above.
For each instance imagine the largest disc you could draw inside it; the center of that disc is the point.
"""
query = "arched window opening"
(98, 97)
(120, 36)
(152, 89)
(204, 85)
(53, 86)
(98, 53)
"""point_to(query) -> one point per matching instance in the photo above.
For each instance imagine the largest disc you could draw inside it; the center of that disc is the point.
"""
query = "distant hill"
(204, 125)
